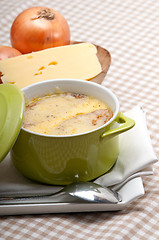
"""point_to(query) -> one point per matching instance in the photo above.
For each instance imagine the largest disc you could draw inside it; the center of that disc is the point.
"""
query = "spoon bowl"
(93, 192)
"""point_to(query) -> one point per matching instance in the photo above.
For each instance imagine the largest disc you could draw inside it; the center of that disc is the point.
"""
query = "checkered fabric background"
(129, 30)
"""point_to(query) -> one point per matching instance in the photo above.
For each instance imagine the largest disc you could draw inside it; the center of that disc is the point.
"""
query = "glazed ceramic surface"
(11, 116)
(61, 160)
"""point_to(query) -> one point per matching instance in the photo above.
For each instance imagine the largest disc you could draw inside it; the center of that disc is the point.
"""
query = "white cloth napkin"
(135, 159)
(136, 154)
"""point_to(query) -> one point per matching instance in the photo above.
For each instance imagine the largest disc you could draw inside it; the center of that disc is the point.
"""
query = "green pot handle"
(126, 124)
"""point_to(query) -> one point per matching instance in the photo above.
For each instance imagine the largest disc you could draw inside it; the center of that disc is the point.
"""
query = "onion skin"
(31, 31)
(8, 52)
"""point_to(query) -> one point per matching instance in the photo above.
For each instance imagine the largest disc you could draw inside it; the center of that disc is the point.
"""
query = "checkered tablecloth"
(129, 30)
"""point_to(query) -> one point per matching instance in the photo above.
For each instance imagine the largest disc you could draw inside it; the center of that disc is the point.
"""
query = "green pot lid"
(12, 106)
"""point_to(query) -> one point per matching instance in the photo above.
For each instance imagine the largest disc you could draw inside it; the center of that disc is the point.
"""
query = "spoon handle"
(32, 199)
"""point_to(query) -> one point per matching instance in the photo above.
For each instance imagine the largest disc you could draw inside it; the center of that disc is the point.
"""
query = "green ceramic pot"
(61, 160)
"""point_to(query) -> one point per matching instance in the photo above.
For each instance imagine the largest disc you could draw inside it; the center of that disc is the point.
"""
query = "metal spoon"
(87, 191)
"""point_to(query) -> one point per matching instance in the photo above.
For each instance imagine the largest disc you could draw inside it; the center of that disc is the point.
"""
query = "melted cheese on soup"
(65, 114)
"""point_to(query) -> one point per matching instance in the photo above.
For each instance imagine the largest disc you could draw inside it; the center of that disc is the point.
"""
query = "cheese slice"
(77, 61)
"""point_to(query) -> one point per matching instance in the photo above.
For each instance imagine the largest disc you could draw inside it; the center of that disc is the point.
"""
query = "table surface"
(129, 30)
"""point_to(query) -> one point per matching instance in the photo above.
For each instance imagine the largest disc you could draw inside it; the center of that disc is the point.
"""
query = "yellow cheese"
(77, 61)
